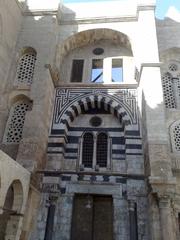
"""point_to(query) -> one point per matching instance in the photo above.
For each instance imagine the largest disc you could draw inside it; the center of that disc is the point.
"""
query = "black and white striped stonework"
(121, 145)
(65, 138)
(93, 102)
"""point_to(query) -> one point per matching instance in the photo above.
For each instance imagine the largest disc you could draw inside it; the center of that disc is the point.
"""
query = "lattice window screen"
(176, 83)
(176, 137)
(168, 91)
(15, 123)
(25, 69)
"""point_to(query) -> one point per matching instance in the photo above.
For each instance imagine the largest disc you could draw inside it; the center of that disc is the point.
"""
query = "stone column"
(154, 220)
(133, 221)
(120, 218)
(50, 218)
(178, 226)
(166, 220)
(64, 217)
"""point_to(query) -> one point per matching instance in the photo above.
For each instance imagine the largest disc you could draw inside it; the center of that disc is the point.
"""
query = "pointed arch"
(26, 65)
(12, 207)
(168, 92)
(19, 105)
(120, 111)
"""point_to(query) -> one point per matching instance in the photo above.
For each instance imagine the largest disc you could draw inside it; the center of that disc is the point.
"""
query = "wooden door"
(92, 218)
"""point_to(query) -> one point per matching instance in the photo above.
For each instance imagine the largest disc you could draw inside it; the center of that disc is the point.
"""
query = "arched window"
(87, 150)
(102, 150)
(14, 128)
(168, 91)
(25, 69)
(175, 136)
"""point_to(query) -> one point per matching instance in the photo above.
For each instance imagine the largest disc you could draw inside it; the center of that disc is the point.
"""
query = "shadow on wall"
(11, 210)
(156, 152)
(43, 40)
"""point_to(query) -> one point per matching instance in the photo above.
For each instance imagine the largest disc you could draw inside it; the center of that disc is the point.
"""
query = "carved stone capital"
(131, 205)
(164, 201)
(164, 188)
(52, 199)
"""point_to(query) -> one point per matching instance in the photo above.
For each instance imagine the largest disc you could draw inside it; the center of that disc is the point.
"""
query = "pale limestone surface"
(59, 34)
(13, 175)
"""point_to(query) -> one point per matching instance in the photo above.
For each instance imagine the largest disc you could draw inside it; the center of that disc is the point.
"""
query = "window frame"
(122, 67)
(100, 147)
(82, 156)
(21, 80)
(95, 166)
(101, 75)
(9, 122)
(71, 72)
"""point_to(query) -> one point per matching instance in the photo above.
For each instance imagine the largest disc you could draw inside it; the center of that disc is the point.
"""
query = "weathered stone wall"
(123, 193)
(168, 34)
(13, 176)
(38, 33)
(10, 25)
(57, 36)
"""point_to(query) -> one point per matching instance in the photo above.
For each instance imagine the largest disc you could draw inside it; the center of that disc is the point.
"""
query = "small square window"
(117, 70)
(97, 71)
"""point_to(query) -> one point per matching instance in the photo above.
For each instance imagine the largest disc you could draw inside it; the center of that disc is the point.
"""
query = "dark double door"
(92, 218)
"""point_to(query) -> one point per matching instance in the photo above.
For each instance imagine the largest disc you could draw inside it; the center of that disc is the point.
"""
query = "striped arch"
(92, 102)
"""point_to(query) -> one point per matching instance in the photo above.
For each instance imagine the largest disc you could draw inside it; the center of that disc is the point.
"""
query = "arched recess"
(10, 218)
(89, 37)
(119, 110)
(70, 116)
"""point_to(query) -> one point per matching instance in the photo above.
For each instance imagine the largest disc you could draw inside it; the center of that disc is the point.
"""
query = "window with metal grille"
(87, 150)
(102, 150)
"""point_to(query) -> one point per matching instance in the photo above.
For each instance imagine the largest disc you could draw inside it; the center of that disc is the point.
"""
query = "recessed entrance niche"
(92, 217)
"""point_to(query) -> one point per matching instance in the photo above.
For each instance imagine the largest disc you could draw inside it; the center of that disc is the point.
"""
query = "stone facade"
(89, 110)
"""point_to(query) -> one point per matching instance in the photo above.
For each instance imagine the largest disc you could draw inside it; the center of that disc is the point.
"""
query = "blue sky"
(161, 9)
(163, 5)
